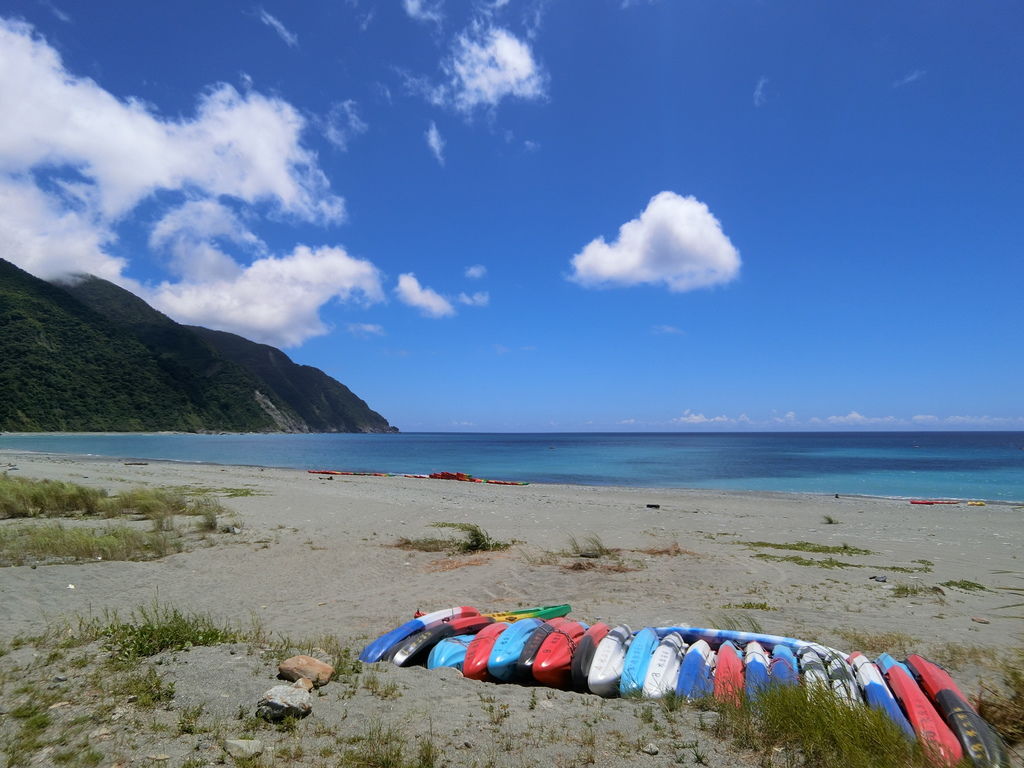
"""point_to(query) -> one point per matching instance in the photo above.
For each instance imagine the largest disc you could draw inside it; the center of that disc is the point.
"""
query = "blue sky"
(533, 215)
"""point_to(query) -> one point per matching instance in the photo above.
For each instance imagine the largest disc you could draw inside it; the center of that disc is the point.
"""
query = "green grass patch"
(160, 628)
(969, 586)
(807, 546)
(750, 606)
(23, 497)
(146, 686)
(874, 643)
(54, 542)
(475, 539)
(813, 728)
(912, 590)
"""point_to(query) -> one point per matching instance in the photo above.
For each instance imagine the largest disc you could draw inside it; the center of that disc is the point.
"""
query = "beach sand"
(315, 556)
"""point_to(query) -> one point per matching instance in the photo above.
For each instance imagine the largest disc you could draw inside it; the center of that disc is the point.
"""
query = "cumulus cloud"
(289, 37)
(476, 272)
(424, 10)
(488, 64)
(478, 299)
(427, 300)
(188, 233)
(343, 123)
(243, 146)
(676, 241)
(76, 161)
(273, 300)
(435, 142)
(689, 417)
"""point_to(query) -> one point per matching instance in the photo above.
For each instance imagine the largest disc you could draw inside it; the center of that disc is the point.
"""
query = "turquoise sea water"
(982, 465)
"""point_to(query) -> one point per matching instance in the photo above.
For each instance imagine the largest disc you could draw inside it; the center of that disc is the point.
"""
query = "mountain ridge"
(83, 354)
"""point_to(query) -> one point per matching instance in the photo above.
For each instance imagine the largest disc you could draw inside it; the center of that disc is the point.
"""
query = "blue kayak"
(507, 648)
(638, 658)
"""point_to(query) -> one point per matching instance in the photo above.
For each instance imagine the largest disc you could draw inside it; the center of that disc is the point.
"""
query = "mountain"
(87, 355)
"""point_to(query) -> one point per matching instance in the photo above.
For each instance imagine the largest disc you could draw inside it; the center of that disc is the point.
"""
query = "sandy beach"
(315, 556)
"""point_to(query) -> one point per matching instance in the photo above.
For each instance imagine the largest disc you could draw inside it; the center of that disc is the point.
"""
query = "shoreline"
(4, 452)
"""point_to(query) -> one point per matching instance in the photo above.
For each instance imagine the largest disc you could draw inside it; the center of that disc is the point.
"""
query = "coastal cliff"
(87, 355)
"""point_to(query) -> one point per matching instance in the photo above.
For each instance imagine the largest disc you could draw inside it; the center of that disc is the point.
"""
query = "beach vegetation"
(474, 539)
(749, 606)
(1002, 704)
(146, 686)
(813, 728)
(966, 585)
(157, 628)
(55, 542)
(807, 546)
(743, 622)
(590, 546)
(874, 643)
(672, 550)
(829, 520)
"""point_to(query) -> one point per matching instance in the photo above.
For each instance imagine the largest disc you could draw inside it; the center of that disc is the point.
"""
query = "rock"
(242, 748)
(301, 666)
(980, 620)
(650, 749)
(283, 701)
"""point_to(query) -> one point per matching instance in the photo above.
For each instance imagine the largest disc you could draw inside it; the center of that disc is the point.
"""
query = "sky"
(549, 215)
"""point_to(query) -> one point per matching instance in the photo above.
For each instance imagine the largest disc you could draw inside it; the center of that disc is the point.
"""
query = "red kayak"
(933, 501)
(980, 743)
(552, 666)
(479, 651)
(728, 674)
(934, 733)
(579, 668)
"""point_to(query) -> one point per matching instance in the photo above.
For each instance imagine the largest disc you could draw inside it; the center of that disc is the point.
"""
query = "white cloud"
(75, 161)
(759, 95)
(907, 79)
(488, 64)
(435, 142)
(424, 10)
(476, 271)
(49, 239)
(675, 241)
(189, 233)
(273, 300)
(856, 419)
(365, 330)
(478, 299)
(343, 124)
(289, 37)
(669, 330)
(242, 146)
(428, 301)
(689, 417)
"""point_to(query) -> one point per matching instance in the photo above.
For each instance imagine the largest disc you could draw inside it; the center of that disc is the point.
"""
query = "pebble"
(301, 666)
(650, 749)
(243, 748)
(980, 620)
(283, 701)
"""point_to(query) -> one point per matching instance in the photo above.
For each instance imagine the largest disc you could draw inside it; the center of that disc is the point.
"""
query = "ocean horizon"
(957, 465)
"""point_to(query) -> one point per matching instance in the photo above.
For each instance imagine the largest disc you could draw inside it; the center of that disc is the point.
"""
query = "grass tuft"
(53, 542)
(475, 539)
(813, 728)
(159, 628)
(807, 546)
(873, 643)
(969, 586)
(1003, 706)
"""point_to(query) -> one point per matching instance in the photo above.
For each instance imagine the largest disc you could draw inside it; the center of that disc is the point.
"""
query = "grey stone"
(650, 749)
(283, 701)
(242, 748)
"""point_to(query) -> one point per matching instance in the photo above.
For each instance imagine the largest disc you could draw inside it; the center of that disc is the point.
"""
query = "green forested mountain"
(90, 356)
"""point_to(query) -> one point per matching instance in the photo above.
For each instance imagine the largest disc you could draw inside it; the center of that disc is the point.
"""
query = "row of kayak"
(541, 646)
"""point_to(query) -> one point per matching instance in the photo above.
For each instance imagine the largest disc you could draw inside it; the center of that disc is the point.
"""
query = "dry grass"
(873, 643)
(672, 550)
(449, 564)
(54, 542)
(1003, 705)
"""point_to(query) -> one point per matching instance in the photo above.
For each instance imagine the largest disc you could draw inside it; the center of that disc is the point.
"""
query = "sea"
(955, 465)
